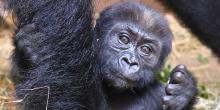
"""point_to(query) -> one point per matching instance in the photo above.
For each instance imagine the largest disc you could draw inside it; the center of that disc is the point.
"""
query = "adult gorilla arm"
(202, 17)
(58, 34)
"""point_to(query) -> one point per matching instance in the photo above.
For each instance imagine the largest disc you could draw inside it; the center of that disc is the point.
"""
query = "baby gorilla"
(134, 43)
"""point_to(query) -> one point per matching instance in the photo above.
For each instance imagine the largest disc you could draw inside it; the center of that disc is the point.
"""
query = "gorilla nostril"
(126, 60)
(134, 64)
(129, 62)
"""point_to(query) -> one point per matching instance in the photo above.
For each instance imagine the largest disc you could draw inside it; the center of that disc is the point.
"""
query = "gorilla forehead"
(137, 13)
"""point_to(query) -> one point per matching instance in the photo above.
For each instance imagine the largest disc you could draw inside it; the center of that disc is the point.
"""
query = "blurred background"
(186, 50)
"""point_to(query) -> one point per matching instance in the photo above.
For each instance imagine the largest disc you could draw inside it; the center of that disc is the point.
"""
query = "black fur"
(53, 48)
(56, 48)
(202, 17)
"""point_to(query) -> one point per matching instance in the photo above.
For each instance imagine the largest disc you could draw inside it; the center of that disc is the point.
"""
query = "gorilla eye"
(147, 49)
(124, 38)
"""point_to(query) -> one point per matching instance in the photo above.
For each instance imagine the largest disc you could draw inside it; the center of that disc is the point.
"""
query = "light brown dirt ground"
(186, 49)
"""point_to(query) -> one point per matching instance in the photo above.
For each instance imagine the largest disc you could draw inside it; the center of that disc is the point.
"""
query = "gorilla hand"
(25, 43)
(181, 90)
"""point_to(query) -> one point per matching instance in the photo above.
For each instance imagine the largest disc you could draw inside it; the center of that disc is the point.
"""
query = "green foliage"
(202, 59)
(163, 76)
(203, 93)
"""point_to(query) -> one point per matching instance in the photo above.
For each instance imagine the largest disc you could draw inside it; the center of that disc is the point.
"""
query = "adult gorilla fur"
(202, 17)
(59, 33)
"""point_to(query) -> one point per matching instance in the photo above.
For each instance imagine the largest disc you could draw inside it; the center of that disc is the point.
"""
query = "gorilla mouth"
(123, 82)
(122, 77)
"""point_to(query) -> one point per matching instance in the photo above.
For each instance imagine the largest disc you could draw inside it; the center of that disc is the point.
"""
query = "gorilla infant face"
(130, 54)
(132, 48)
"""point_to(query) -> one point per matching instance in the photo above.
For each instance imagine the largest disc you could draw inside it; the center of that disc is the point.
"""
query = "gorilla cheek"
(108, 62)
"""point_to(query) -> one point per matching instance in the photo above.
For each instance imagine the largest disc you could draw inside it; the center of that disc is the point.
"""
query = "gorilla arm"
(53, 48)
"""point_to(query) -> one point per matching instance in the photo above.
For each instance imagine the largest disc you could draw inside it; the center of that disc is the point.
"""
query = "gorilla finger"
(171, 103)
(167, 100)
(26, 30)
(23, 45)
(180, 68)
(29, 28)
(177, 77)
(31, 55)
(173, 89)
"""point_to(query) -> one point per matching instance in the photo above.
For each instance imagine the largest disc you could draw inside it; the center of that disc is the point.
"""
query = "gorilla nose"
(130, 64)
